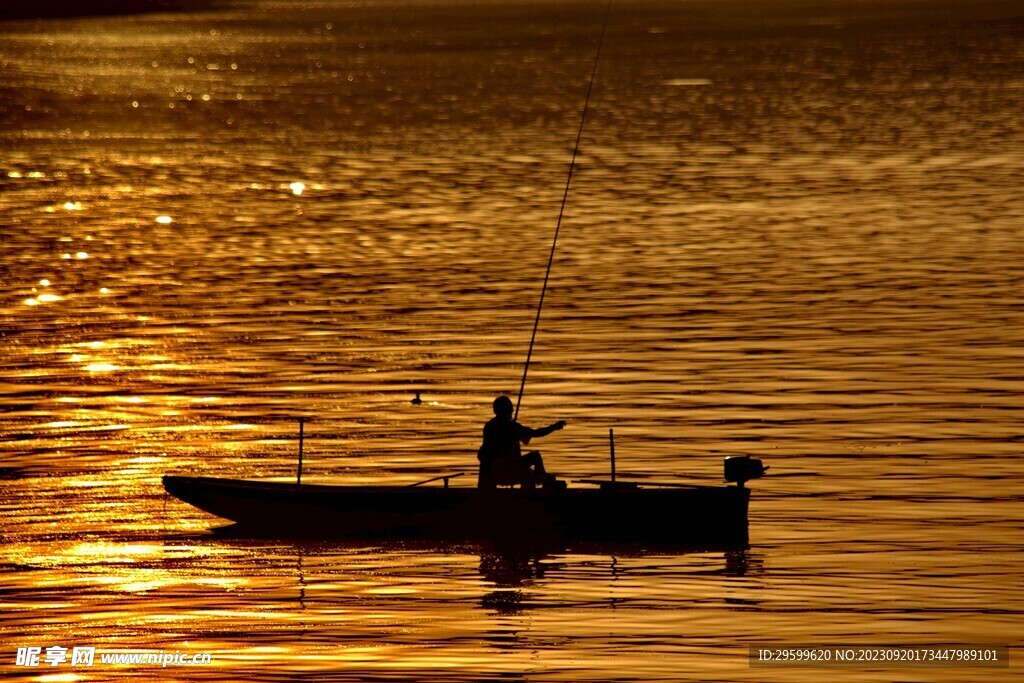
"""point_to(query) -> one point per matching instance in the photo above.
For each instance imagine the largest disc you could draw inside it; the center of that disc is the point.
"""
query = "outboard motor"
(742, 468)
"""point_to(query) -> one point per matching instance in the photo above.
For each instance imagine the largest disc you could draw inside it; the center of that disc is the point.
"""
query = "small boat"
(608, 511)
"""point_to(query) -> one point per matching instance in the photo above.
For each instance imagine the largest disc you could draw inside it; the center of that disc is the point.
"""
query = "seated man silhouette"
(501, 459)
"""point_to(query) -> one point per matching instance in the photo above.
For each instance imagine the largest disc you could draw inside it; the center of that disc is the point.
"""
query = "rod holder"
(302, 423)
(611, 447)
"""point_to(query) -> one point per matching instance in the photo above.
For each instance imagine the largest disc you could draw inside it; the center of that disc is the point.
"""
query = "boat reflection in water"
(506, 578)
(513, 570)
(510, 568)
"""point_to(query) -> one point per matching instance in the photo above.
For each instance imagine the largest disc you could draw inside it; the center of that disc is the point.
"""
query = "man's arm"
(544, 431)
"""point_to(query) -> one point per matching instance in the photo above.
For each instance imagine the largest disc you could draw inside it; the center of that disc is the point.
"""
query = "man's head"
(503, 407)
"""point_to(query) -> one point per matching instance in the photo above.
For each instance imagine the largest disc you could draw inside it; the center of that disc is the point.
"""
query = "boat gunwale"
(283, 486)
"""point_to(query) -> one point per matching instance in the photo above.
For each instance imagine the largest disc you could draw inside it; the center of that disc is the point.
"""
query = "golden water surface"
(795, 230)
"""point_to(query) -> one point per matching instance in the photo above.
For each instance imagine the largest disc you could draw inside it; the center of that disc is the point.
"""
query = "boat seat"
(511, 474)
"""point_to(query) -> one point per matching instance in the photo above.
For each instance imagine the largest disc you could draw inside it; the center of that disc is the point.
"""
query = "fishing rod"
(561, 211)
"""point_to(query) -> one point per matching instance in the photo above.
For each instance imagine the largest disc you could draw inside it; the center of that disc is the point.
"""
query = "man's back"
(502, 438)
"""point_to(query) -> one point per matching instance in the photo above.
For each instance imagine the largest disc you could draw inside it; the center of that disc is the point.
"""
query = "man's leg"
(534, 460)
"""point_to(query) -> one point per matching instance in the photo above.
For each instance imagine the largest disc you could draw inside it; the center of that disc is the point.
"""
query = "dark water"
(795, 231)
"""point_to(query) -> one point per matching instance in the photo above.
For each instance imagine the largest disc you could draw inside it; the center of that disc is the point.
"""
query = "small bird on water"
(416, 401)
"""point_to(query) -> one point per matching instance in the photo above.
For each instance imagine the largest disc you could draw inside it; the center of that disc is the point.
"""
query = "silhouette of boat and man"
(515, 496)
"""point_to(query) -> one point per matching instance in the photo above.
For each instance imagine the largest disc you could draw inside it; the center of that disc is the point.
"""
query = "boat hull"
(699, 515)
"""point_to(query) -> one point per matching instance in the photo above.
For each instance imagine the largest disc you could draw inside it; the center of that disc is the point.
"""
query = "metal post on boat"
(611, 445)
(302, 422)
